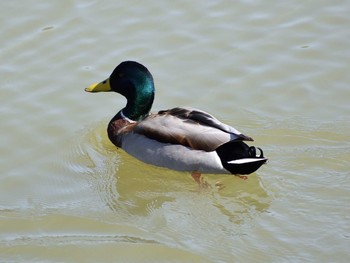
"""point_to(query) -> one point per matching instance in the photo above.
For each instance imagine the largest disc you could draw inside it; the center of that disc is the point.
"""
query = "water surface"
(278, 72)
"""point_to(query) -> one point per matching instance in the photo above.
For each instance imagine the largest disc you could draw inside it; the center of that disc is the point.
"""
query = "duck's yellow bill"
(99, 87)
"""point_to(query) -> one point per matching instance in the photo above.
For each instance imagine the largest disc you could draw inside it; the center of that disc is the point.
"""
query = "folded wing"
(189, 127)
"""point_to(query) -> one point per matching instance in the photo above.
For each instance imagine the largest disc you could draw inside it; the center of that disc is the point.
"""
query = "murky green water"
(278, 72)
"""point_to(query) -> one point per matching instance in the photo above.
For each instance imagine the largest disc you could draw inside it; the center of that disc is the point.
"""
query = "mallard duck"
(182, 139)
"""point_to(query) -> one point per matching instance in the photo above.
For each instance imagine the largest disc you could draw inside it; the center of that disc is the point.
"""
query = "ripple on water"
(278, 70)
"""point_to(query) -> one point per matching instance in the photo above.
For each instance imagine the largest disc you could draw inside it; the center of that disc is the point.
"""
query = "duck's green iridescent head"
(135, 82)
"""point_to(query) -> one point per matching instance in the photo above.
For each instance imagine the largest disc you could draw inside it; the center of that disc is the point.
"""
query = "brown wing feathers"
(189, 127)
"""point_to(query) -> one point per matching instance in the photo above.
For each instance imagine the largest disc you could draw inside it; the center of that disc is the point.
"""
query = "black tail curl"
(252, 152)
(236, 150)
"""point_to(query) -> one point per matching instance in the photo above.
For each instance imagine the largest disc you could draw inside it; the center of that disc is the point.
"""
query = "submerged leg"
(197, 176)
(244, 177)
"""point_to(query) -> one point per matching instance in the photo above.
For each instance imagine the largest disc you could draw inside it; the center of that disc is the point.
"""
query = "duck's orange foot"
(244, 177)
(197, 176)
